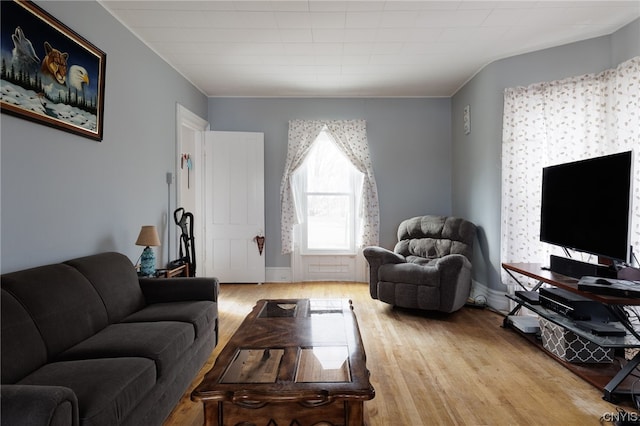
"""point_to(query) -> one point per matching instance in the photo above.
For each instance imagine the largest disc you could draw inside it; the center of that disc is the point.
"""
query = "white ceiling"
(322, 48)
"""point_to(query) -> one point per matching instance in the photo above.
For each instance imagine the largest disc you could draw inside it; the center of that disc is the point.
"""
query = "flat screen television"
(586, 205)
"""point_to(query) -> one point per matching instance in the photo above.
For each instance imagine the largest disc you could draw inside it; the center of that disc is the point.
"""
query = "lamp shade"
(148, 237)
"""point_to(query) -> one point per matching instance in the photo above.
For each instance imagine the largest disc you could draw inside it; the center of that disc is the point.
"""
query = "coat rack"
(185, 160)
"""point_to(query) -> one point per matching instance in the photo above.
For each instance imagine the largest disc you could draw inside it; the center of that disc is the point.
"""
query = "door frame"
(196, 126)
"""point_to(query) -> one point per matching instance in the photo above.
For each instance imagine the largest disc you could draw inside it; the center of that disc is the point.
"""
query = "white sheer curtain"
(556, 122)
(351, 138)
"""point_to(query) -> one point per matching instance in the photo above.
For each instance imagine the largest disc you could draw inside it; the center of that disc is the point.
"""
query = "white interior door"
(234, 206)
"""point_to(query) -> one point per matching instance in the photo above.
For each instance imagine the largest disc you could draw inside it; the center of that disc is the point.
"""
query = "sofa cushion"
(115, 279)
(201, 314)
(163, 342)
(23, 349)
(107, 389)
(65, 307)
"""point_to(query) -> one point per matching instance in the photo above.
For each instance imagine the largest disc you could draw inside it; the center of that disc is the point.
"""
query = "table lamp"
(148, 237)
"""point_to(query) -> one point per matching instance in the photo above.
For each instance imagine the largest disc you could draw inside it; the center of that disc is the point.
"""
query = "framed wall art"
(49, 74)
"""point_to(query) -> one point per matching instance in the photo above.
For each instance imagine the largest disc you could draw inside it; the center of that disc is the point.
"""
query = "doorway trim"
(190, 129)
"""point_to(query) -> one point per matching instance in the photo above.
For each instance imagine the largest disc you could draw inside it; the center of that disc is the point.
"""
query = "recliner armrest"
(376, 257)
(161, 290)
(382, 255)
(455, 281)
(453, 261)
(30, 405)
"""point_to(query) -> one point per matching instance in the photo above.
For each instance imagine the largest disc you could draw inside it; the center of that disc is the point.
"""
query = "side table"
(179, 271)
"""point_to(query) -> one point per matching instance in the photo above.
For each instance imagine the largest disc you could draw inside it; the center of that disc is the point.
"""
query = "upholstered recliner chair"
(429, 268)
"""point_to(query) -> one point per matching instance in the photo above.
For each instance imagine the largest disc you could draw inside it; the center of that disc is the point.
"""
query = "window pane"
(328, 222)
(329, 170)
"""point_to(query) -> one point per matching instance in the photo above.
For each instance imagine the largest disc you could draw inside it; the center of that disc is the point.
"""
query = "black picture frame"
(50, 74)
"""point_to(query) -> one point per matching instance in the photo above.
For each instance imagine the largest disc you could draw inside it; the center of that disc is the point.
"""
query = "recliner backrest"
(433, 237)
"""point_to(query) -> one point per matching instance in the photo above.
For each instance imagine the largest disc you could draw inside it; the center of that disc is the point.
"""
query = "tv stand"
(613, 380)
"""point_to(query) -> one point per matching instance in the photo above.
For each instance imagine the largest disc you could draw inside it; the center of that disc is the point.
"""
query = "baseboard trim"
(495, 299)
(278, 275)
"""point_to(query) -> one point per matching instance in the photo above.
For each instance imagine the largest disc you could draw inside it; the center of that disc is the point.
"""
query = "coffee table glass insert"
(254, 366)
(275, 309)
(323, 364)
(325, 306)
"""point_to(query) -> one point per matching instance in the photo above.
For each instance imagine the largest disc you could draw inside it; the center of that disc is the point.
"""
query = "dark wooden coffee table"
(291, 362)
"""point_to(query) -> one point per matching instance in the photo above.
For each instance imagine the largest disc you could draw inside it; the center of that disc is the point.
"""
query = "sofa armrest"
(38, 405)
(159, 290)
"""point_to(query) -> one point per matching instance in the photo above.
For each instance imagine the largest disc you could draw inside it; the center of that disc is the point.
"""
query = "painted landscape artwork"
(48, 73)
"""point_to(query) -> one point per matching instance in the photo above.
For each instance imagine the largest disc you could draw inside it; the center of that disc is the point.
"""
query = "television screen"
(586, 205)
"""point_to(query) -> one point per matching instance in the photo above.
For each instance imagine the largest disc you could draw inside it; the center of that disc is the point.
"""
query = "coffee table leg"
(355, 413)
(213, 413)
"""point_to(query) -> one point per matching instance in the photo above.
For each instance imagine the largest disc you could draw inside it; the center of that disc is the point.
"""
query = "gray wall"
(64, 195)
(410, 148)
(476, 157)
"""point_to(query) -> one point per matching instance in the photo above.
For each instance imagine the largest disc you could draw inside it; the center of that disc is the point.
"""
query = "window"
(557, 122)
(350, 137)
(327, 188)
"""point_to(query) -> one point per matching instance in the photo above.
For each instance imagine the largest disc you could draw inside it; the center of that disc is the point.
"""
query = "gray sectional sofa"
(86, 342)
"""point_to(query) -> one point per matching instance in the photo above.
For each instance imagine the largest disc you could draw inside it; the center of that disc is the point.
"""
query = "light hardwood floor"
(432, 369)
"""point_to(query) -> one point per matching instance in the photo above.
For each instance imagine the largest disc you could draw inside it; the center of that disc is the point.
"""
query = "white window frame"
(352, 218)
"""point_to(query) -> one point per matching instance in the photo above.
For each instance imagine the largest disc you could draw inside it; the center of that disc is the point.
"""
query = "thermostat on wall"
(466, 118)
